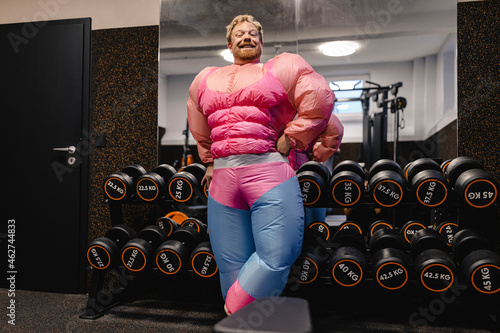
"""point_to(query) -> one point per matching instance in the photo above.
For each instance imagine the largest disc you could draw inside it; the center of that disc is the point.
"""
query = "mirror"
(413, 42)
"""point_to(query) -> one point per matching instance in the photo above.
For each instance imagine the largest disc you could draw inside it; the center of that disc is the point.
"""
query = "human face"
(245, 44)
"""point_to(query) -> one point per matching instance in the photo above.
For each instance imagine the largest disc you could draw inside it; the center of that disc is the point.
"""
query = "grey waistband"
(248, 159)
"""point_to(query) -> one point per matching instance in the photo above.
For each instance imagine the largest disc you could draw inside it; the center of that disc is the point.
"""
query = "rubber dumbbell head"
(347, 266)
(318, 232)
(390, 268)
(444, 165)
(435, 270)
(386, 184)
(419, 165)
(427, 182)
(153, 185)
(313, 180)
(138, 253)
(196, 224)
(458, 165)
(308, 267)
(426, 239)
(172, 257)
(186, 182)
(377, 225)
(481, 270)
(386, 238)
(120, 186)
(203, 261)
(167, 224)
(447, 230)
(410, 228)
(103, 252)
(384, 165)
(349, 237)
(347, 184)
(430, 187)
(468, 240)
(352, 225)
(476, 188)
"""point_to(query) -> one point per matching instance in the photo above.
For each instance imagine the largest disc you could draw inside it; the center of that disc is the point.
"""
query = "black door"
(44, 103)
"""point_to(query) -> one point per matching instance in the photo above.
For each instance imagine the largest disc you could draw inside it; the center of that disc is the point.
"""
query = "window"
(346, 97)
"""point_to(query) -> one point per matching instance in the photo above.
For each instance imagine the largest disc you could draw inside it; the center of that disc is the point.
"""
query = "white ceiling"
(192, 32)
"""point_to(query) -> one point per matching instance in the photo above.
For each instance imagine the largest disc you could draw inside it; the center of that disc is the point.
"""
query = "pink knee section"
(237, 298)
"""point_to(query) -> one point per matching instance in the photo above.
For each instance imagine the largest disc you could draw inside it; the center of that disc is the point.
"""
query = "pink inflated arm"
(309, 94)
(330, 140)
(198, 125)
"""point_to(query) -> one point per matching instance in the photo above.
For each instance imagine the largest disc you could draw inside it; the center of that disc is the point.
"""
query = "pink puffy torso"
(246, 107)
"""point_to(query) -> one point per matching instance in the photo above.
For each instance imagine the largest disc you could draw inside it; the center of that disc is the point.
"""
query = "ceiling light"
(227, 55)
(338, 48)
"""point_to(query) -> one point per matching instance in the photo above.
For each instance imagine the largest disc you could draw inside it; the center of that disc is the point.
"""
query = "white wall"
(105, 14)
(429, 85)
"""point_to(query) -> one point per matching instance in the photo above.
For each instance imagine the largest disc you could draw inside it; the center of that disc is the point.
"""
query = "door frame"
(85, 155)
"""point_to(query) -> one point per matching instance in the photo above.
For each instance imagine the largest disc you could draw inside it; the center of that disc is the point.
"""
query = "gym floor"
(54, 312)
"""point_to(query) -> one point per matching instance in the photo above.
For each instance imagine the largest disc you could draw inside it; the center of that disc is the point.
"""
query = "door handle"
(70, 149)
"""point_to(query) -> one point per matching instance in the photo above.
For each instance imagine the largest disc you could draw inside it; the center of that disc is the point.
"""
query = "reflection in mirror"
(412, 42)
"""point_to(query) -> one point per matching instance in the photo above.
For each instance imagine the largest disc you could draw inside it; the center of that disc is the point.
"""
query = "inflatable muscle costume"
(255, 212)
(322, 149)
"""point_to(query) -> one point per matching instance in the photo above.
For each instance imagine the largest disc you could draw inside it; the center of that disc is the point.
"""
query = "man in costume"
(246, 118)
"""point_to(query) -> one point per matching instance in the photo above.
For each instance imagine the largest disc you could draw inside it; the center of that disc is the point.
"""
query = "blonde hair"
(240, 19)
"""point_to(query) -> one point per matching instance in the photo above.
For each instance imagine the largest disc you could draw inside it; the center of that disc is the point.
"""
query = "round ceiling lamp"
(338, 48)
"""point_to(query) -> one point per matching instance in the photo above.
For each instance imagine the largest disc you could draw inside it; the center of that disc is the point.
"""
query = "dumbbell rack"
(371, 299)
(359, 299)
(130, 284)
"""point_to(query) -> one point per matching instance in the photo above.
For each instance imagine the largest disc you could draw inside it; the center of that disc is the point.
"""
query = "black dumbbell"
(478, 261)
(312, 260)
(444, 165)
(377, 225)
(352, 225)
(119, 186)
(473, 185)
(168, 224)
(203, 261)
(434, 268)
(138, 253)
(153, 185)
(447, 230)
(410, 228)
(427, 182)
(197, 224)
(318, 231)
(185, 185)
(386, 183)
(172, 256)
(390, 265)
(103, 252)
(347, 184)
(313, 180)
(347, 264)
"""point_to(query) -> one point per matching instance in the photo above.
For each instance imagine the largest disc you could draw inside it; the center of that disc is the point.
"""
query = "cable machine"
(375, 126)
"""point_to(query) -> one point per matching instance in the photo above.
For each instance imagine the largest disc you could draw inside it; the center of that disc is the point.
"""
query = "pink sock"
(237, 298)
